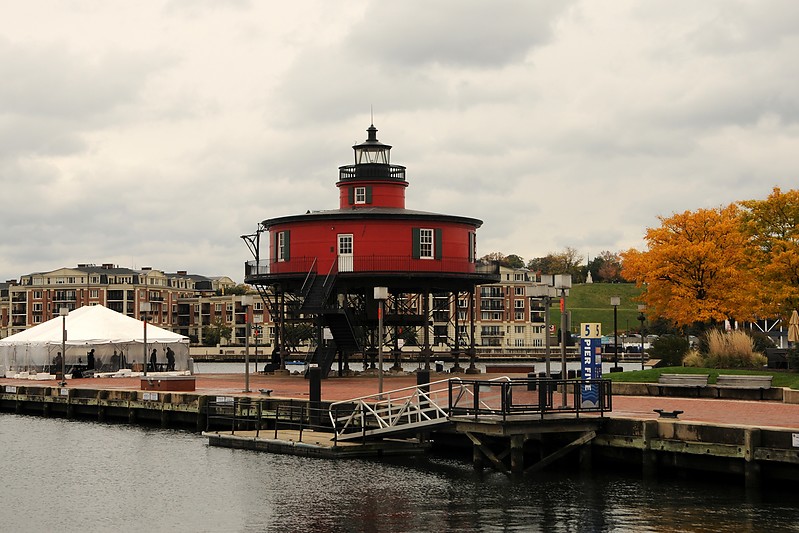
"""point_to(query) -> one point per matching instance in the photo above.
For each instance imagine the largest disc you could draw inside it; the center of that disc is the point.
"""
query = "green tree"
(606, 267)
(566, 262)
(213, 334)
(669, 350)
(513, 261)
(296, 334)
(239, 289)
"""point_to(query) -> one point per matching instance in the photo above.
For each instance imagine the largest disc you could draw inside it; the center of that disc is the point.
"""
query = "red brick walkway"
(717, 411)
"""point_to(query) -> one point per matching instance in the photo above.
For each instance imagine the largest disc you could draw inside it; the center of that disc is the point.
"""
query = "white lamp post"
(246, 301)
(615, 301)
(63, 312)
(381, 294)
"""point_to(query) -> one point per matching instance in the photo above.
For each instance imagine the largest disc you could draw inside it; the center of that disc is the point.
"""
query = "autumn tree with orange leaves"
(695, 269)
(772, 229)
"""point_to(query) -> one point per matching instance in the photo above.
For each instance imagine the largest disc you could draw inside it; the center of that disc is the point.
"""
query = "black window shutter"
(286, 246)
(416, 243)
(471, 246)
(351, 195)
(437, 241)
(368, 195)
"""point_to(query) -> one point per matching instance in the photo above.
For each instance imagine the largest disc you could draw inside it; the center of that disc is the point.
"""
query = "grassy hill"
(590, 302)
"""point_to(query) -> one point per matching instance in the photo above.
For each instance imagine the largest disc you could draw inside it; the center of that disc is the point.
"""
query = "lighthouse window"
(426, 243)
(282, 246)
(360, 195)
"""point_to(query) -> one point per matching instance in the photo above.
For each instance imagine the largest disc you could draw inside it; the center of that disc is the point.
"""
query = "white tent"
(117, 341)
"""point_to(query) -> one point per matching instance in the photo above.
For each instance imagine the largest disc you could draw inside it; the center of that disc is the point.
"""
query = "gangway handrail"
(416, 403)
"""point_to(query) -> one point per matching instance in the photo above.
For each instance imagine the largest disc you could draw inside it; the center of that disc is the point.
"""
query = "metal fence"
(527, 396)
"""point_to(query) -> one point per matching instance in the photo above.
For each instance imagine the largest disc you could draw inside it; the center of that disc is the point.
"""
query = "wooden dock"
(752, 439)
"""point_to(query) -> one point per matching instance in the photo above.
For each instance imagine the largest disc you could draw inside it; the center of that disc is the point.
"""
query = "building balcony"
(370, 264)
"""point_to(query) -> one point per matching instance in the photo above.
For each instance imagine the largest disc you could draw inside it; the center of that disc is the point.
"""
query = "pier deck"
(710, 433)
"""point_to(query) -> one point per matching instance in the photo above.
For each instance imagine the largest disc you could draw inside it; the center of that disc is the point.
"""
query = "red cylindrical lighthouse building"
(330, 261)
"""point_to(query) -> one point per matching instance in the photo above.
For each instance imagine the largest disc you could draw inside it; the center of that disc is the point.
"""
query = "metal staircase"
(316, 293)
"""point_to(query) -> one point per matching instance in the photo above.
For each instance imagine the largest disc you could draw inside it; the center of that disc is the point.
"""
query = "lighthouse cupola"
(372, 181)
(372, 151)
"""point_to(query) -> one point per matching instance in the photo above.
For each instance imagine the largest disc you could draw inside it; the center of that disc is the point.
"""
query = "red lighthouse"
(323, 266)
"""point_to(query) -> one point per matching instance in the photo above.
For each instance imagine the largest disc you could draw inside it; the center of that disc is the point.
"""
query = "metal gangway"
(406, 411)
(401, 411)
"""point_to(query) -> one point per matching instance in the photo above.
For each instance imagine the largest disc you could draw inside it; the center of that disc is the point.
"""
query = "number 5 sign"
(591, 330)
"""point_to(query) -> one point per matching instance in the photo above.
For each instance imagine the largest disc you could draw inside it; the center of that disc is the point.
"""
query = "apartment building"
(506, 319)
(39, 296)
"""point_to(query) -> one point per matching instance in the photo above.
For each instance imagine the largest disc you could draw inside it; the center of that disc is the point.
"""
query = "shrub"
(734, 349)
(670, 349)
(694, 358)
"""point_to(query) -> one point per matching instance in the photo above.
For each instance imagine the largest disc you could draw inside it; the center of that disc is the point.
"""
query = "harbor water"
(66, 475)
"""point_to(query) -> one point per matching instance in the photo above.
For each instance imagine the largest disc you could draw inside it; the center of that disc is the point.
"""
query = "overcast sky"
(155, 133)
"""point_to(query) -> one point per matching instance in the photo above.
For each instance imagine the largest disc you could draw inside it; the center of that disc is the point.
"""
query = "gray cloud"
(159, 141)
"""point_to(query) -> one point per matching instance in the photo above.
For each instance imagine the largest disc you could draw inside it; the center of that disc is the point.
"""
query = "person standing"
(170, 358)
(153, 360)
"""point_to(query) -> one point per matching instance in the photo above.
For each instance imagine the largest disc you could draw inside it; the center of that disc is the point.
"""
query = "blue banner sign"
(591, 365)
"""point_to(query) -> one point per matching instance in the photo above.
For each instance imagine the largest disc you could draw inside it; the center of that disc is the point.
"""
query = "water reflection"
(61, 475)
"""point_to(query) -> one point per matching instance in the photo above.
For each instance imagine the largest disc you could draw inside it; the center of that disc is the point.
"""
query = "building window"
(94, 293)
(37, 307)
(37, 295)
(519, 330)
(519, 291)
(518, 304)
(518, 315)
(218, 308)
(359, 195)
(426, 243)
(282, 246)
(518, 342)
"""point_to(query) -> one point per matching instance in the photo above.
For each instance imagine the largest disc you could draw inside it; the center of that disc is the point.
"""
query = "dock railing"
(400, 410)
(528, 396)
(234, 414)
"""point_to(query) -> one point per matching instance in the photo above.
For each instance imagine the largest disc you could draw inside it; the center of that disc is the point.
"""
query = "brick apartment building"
(508, 321)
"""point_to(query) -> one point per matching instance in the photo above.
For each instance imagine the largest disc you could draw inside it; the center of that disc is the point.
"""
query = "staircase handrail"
(308, 277)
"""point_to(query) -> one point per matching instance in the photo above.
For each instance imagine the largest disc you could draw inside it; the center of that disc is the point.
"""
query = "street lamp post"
(246, 301)
(562, 282)
(615, 301)
(381, 294)
(642, 317)
(145, 307)
(63, 311)
(545, 293)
